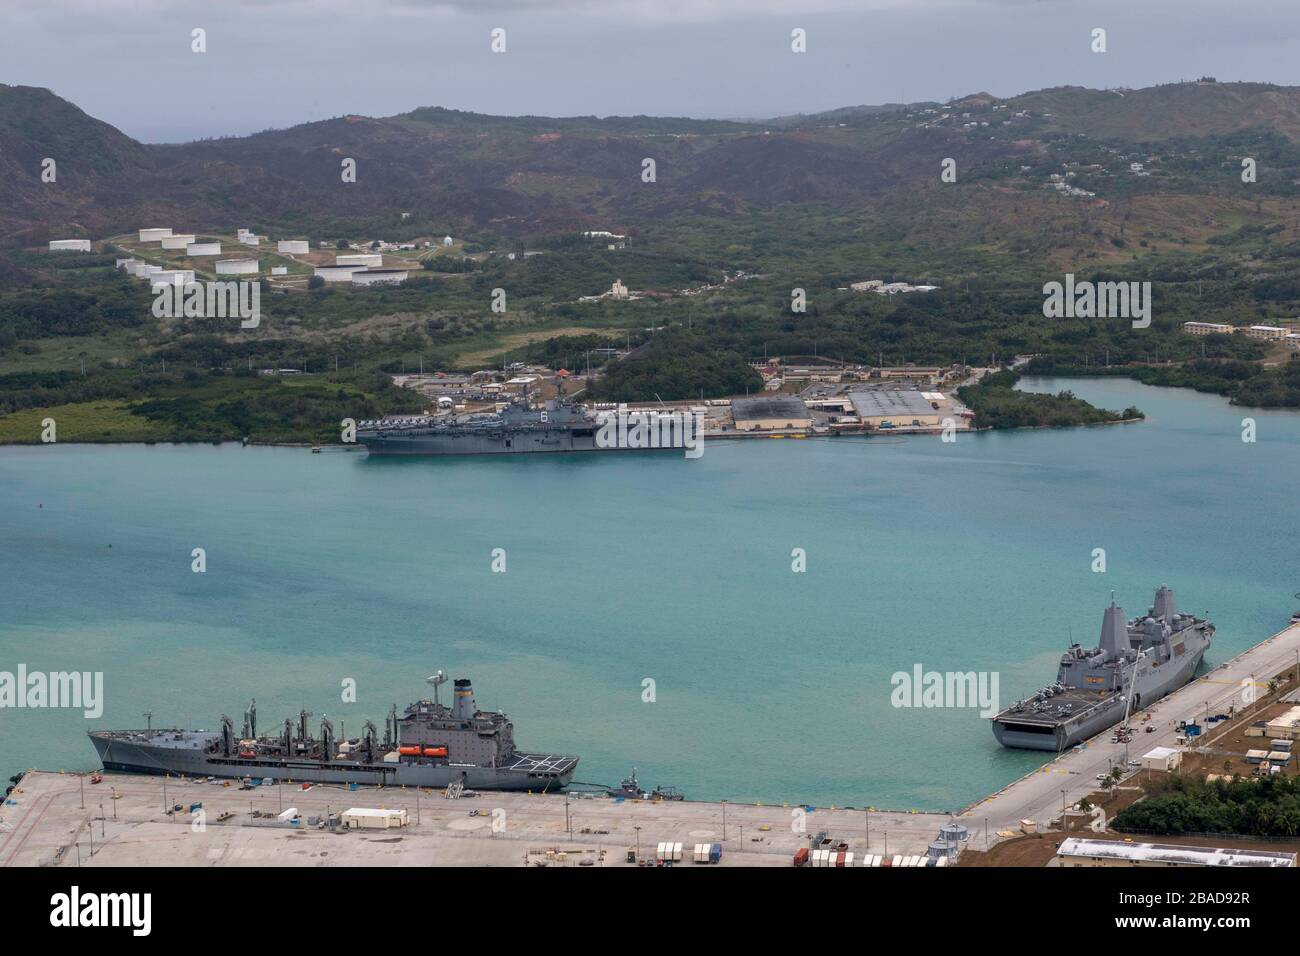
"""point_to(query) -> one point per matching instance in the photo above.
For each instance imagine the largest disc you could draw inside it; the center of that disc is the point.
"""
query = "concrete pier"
(48, 826)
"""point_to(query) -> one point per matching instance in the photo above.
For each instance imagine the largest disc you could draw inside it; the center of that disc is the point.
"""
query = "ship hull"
(535, 772)
(518, 444)
(1025, 734)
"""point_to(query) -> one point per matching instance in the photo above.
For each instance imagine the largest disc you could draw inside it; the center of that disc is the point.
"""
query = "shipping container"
(715, 853)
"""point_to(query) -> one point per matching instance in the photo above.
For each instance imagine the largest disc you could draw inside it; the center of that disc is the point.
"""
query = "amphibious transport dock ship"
(1136, 663)
(429, 745)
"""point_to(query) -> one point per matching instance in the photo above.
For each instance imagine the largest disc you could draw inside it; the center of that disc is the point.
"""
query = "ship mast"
(436, 680)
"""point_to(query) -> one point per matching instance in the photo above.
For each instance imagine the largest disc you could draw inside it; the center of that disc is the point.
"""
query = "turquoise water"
(770, 685)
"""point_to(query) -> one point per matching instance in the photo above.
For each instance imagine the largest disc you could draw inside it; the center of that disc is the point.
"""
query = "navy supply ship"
(429, 745)
(1136, 663)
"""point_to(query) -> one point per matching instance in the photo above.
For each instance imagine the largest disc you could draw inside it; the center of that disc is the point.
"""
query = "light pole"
(638, 842)
(724, 821)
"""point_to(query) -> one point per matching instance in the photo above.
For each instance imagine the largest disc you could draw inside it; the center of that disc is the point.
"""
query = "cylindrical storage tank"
(250, 240)
(953, 833)
(203, 249)
(237, 267)
(177, 240)
(379, 277)
(154, 235)
(337, 273)
(279, 270)
(360, 259)
(939, 848)
(293, 246)
(73, 245)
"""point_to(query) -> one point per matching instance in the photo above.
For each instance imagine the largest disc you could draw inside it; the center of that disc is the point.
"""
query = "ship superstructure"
(430, 744)
(1134, 664)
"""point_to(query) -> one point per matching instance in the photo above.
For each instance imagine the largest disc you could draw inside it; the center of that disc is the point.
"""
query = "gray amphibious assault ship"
(429, 745)
(1135, 664)
(518, 428)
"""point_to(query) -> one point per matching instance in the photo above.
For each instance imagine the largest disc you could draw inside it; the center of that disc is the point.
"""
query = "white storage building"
(1162, 758)
(367, 818)
(154, 235)
(178, 240)
(203, 249)
(69, 245)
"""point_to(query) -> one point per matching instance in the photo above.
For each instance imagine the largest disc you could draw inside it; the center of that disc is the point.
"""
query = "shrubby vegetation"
(1268, 807)
(997, 404)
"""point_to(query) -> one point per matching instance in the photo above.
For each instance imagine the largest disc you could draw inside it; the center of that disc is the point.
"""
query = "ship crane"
(227, 735)
(250, 720)
(368, 734)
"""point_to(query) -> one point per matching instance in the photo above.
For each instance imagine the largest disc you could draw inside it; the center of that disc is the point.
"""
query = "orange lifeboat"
(435, 751)
(409, 751)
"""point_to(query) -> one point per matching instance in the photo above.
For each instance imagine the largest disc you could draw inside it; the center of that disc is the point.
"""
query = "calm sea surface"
(769, 685)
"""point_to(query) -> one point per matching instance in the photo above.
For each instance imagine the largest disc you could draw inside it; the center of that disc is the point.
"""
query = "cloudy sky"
(274, 64)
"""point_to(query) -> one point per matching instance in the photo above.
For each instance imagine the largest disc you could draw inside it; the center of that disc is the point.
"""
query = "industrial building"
(237, 267)
(178, 240)
(154, 235)
(203, 249)
(293, 246)
(69, 245)
(898, 407)
(1080, 852)
(366, 277)
(367, 259)
(770, 414)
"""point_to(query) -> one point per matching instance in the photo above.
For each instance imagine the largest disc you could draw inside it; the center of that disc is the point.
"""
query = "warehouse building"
(154, 235)
(69, 245)
(295, 247)
(237, 267)
(770, 414)
(203, 249)
(366, 277)
(178, 240)
(898, 407)
(1080, 852)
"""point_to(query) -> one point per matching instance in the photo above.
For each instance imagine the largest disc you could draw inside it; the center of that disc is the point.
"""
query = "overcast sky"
(275, 64)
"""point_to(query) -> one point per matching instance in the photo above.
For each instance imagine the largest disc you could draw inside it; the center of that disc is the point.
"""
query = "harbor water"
(648, 613)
